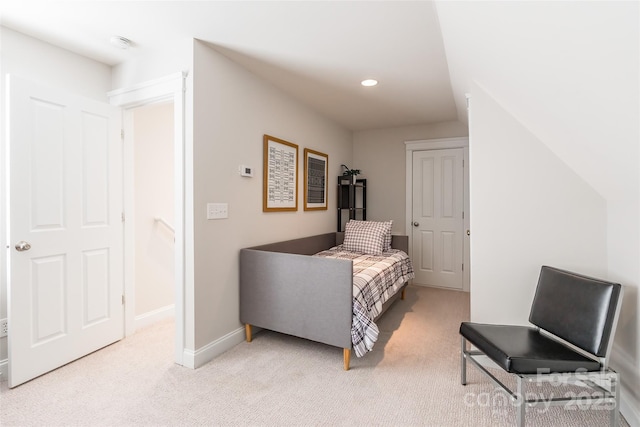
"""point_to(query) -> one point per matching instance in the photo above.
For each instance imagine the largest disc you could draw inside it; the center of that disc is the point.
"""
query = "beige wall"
(228, 110)
(233, 109)
(380, 155)
(153, 195)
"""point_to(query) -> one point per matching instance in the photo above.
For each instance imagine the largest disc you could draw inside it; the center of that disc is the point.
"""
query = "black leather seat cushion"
(524, 350)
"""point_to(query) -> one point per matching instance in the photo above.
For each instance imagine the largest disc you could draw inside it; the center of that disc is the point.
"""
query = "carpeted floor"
(411, 378)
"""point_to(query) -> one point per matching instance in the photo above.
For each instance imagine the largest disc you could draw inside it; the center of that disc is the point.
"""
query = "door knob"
(416, 223)
(22, 246)
(468, 233)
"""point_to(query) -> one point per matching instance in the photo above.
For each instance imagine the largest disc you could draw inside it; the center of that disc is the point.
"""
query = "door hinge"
(122, 299)
(122, 216)
(462, 267)
(122, 134)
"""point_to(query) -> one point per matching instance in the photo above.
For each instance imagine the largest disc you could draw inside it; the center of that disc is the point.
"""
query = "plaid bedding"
(376, 278)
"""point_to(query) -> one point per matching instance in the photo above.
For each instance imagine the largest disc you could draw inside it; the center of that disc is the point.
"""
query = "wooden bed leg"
(247, 329)
(347, 358)
(403, 291)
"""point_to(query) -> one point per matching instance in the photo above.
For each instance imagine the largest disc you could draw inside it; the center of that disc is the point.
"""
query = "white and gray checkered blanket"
(376, 278)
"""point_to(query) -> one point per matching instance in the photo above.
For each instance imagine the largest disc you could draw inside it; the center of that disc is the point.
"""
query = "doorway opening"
(455, 243)
(152, 213)
(154, 96)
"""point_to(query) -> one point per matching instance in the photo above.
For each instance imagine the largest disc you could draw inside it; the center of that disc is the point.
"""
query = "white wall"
(174, 58)
(380, 155)
(51, 66)
(568, 72)
(233, 109)
(527, 209)
(153, 195)
(530, 209)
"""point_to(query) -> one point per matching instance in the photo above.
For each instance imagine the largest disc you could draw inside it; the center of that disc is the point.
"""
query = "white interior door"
(65, 203)
(438, 217)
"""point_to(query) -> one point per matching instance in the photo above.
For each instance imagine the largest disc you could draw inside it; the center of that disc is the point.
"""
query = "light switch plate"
(217, 210)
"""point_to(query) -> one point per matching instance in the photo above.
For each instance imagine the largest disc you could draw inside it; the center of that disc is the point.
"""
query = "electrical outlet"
(4, 328)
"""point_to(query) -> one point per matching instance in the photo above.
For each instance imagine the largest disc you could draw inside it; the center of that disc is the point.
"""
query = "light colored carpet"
(411, 378)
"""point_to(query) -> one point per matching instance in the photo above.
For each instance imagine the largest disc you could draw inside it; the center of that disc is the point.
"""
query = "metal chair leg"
(615, 390)
(521, 406)
(463, 361)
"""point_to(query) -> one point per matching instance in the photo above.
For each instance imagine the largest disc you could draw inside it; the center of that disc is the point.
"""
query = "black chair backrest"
(576, 308)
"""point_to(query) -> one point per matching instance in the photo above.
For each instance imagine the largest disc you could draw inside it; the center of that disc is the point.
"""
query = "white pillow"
(369, 237)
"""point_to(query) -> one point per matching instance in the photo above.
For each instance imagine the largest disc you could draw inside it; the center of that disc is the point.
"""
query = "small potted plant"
(351, 173)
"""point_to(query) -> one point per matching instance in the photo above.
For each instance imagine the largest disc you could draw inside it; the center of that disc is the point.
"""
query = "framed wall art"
(316, 167)
(280, 179)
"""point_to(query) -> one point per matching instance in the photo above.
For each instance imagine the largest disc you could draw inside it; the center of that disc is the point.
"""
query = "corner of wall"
(629, 378)
(203, 355)
(528, 209)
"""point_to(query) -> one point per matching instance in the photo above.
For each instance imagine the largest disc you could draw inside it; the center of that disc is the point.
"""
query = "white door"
(65, 203)
(438, 217)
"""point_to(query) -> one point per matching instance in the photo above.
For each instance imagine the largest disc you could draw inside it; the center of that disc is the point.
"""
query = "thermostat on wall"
(245, 170)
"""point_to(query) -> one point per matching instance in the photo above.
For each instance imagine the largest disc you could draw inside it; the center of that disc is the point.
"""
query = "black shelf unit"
(352, 199)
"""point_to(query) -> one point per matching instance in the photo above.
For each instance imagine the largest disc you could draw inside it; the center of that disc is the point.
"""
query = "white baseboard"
(4, 370)
(628, 409)
(153, 316)
(195, 359)
(629, 376)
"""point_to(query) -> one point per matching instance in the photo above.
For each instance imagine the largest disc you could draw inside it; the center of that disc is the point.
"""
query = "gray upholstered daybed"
(285, 289)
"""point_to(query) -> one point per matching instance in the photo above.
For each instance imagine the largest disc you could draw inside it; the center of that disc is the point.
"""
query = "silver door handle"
(416, 223)
(22, 246)
(468, 233)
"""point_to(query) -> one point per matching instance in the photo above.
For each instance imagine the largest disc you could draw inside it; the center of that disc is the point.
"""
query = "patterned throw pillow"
(369, 237)
(376, 224)
(387, 236)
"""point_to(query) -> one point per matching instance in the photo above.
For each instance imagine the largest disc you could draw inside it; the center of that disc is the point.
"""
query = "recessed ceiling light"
(120, 42)
(369, 82)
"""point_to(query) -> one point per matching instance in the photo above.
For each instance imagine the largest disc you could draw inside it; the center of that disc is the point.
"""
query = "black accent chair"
(574, 320)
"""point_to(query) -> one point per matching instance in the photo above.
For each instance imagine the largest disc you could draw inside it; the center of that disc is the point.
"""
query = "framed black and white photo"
(280, 176)
(316, 167)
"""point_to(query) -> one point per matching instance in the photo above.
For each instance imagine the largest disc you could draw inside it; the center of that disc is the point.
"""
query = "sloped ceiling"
(318, 51)
(568, 71)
